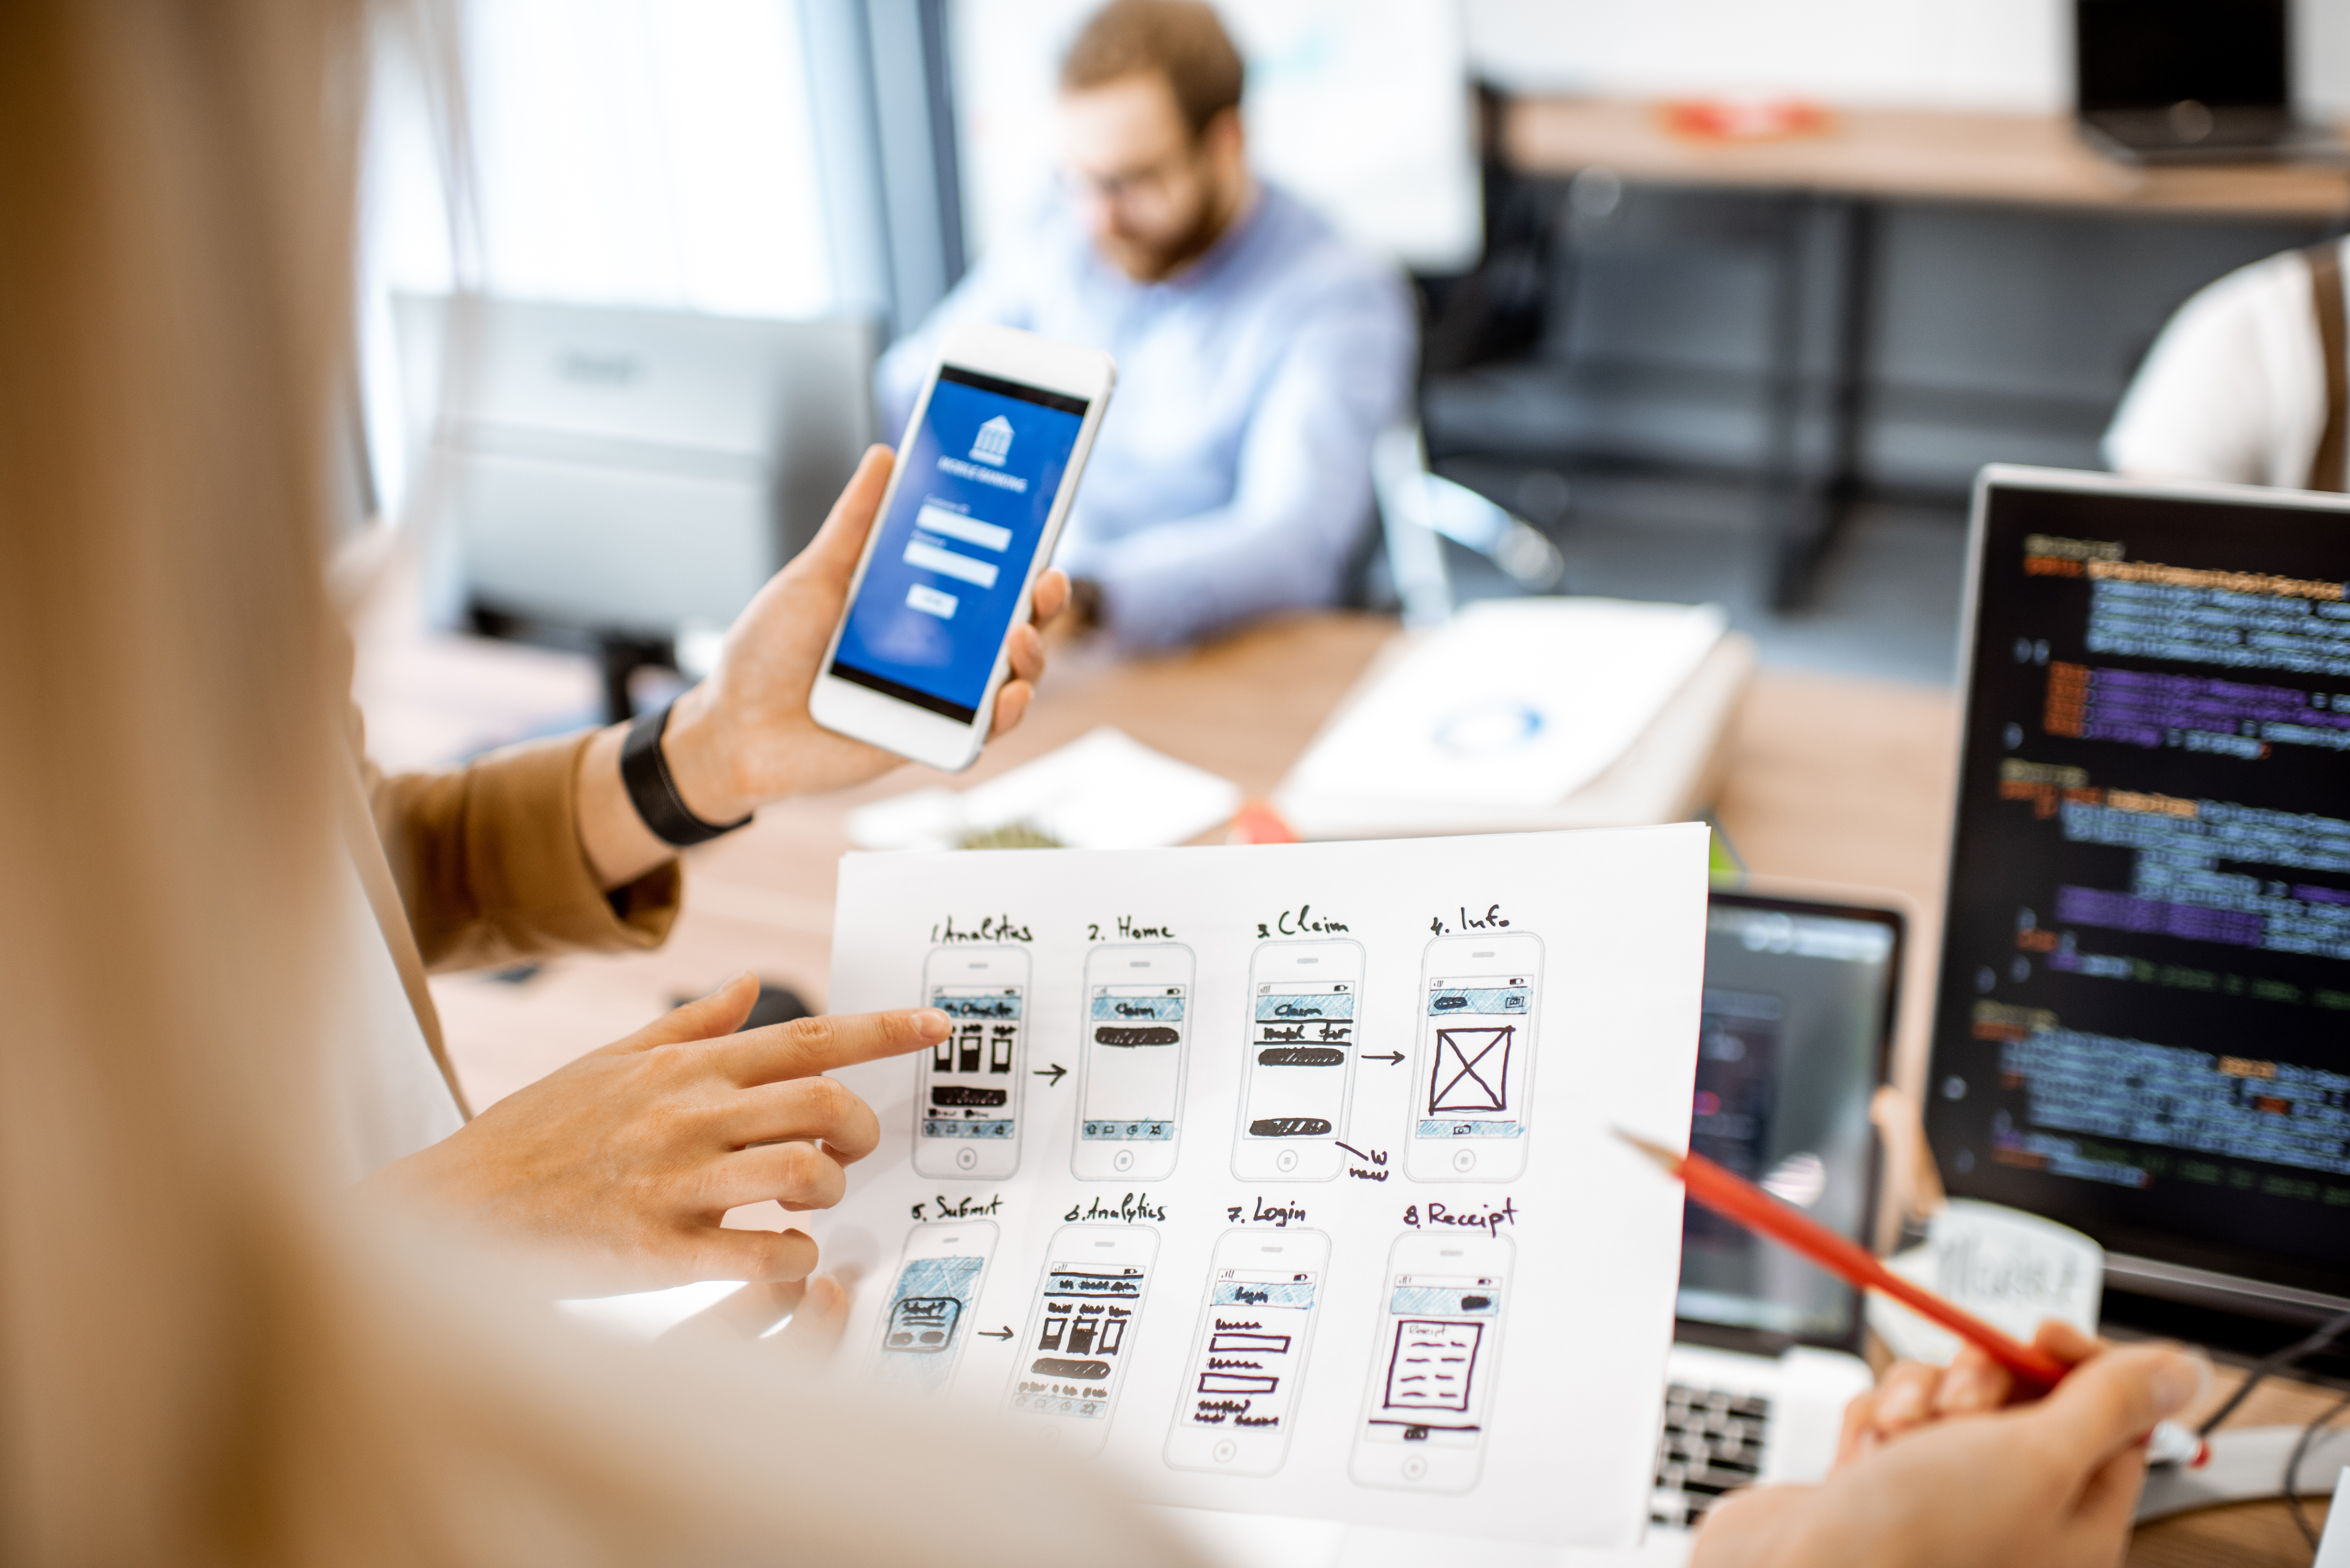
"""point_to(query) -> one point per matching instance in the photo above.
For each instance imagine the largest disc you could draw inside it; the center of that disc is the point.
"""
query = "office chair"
(1420, 510)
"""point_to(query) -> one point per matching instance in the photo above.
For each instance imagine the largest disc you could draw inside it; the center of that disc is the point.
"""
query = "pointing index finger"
(811, 1045)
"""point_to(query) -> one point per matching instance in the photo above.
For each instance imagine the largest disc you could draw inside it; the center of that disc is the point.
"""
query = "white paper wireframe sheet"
(1561, 1407)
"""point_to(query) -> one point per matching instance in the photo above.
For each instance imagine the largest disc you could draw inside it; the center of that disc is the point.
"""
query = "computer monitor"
(2151, 54)
(2187, 80)
(625, 471)
(2142, 1023)
(1797, 1022)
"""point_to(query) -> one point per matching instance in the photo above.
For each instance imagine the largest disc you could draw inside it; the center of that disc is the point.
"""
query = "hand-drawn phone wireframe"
(1130, 1061)
(967, 1098)
(1239, 1398)
(1298, 1072)
(1474, 1069)
(1434, 1364)
(927, 1320)
(1081, 1331)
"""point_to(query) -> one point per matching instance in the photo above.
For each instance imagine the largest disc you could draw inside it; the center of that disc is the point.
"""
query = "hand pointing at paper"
(622, 1164)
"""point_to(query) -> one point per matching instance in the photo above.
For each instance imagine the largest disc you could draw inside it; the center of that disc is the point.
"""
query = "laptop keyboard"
(1711, 1444)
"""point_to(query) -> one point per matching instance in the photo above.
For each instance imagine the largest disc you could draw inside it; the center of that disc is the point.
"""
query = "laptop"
(2142, 1029)
(1800, 1004)
(2190, 81)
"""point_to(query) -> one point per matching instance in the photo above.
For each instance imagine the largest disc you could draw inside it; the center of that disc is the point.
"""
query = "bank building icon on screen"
(994, 442)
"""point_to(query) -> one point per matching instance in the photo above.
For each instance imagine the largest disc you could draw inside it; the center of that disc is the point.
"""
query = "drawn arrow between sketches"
(1390, 1057)
(1052, 1071)
(1003, 1333)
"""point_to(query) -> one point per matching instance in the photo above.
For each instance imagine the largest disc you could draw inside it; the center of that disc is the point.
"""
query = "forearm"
(612, 833)
(1186, 579)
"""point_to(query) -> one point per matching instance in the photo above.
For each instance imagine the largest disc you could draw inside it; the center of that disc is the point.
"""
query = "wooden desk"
(1814, 208)
(1916, 154)
(1834, 781)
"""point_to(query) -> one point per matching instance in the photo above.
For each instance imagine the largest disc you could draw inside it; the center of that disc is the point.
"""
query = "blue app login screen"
(976, 486)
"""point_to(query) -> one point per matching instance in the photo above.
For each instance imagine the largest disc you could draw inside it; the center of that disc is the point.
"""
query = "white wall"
(1354, 105)
(1959, 54)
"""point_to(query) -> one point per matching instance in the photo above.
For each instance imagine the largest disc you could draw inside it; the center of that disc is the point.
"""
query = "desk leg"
(1819, 349)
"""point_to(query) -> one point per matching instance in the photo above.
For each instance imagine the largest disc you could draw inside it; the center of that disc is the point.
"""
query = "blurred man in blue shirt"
(1258, 353)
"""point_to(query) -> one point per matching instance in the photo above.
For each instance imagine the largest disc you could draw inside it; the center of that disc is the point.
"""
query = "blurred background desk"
(1945, 154)
(1831, 779)
(1866, 314)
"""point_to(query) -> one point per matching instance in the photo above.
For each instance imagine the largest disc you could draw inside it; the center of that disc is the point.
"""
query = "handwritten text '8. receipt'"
(1280, 1175)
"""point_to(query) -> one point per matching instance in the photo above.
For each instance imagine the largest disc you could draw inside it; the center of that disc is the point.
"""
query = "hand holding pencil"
(2048, 1483)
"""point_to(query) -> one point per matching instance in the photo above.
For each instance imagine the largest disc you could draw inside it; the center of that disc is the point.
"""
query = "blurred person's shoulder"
(1311, 264)
(2268, 287)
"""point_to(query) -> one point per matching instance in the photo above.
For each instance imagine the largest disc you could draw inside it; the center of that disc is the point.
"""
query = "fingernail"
(2181, 1378)
(1901, 1403)
(732, 980)
(931, 1024)
(1962, 1388)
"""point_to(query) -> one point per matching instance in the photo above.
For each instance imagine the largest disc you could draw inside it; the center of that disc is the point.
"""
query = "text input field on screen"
(946, 563)
(970, 530)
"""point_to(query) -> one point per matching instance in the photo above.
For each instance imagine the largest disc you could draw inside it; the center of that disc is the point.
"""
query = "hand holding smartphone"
(984, 481)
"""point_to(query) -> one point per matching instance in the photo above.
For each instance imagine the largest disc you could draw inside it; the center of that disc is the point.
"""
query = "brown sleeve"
(489, 865)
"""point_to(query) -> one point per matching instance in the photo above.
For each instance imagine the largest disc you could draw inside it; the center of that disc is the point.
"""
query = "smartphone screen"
(1476, 1062)
(1081, 1330)
(1138, 1002)
(927, 1321)
(1248, 1359)
(975, 489)
(968, 1094)
(1432, 1374)
(1300, 1056)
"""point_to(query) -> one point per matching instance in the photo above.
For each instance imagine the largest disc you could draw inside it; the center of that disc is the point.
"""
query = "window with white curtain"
(641, 152)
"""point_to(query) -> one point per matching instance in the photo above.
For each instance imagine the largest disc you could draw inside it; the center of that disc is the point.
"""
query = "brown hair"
(1181, 40)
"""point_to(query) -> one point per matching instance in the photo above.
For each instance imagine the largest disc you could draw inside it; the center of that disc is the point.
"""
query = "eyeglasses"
(1128, 187)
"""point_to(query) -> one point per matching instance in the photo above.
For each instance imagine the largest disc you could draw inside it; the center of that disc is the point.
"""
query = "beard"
(1156, 258)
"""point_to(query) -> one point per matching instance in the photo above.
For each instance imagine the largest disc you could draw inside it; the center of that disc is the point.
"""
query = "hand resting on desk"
(1938, 1470)
(619, 1166)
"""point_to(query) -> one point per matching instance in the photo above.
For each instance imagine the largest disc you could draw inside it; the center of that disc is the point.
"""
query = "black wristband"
(653, 793)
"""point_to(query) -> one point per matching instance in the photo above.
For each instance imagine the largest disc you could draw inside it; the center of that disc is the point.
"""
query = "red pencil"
(1735, 1196)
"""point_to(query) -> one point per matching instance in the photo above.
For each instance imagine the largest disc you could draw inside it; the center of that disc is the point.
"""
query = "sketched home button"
(1416, 1468)
(967, 1158)
(1286, 1161)
(1464, 1160)
(1223, 1451)
(1123, 1160)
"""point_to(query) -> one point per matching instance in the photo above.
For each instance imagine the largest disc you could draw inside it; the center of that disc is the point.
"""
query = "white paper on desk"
(1514, 702)
(1573, 1353)
(1104, 790)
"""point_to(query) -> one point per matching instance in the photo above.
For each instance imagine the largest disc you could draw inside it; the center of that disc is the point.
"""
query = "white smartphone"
(1435, 1363)
(1081, 1331)
(1474, 1072)
(1239, 1400)
(1137, 1024)
(1299, 1060)
(985, 475)
(926, 1321)
(967, 1091)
